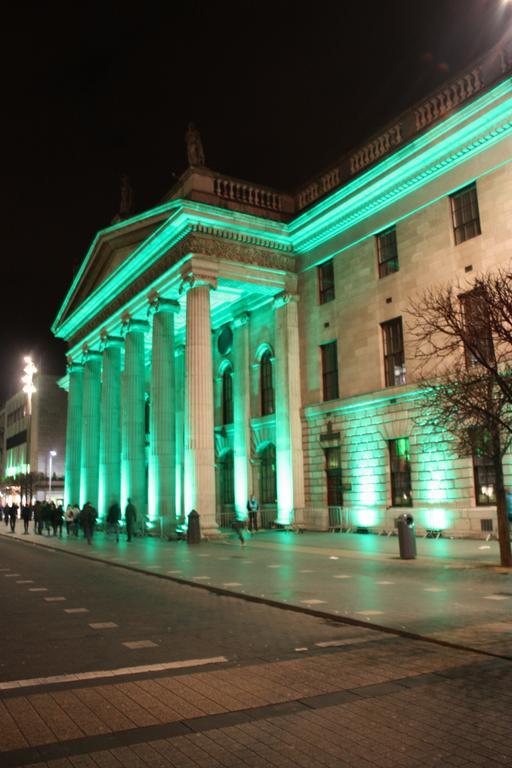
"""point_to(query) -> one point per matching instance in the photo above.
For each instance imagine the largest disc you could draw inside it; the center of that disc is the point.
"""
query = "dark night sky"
(91, 91)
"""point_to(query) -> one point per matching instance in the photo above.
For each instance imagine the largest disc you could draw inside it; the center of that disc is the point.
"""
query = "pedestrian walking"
(252, 509)
(130, 516)
(76, 518)
(68, 518)
(6, 516)
(113, 517)
(38, 518)
(26, 516)
(239, 526)
(58, 520)
(13, 516)
(88, 520)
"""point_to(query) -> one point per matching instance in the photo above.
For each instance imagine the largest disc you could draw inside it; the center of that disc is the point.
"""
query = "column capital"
(72, 366)
(284, 298)
(132, 325)
(158, 304)
(107, 342)
(196, 280)
(90, 354)
(240, 320)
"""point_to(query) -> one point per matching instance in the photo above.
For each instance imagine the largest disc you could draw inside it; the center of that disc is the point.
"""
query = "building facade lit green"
(236, 339)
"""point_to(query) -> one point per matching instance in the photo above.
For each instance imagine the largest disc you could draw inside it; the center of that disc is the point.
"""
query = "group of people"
(50, 517)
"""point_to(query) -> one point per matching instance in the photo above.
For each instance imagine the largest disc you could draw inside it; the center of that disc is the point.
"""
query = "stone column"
(73, 435)
(110, 437)
(241, 414)
(289, 454)
(199, 421)
(133, 418)
(90, 453)
(179, 379)
(162, 432)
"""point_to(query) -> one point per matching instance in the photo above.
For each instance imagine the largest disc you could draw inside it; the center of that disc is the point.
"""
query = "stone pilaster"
(162, 433)
(90, 452)
(199, 422)
(110, 436)
(73, 435)
(241, 414)
(289, 454)
(133, 418)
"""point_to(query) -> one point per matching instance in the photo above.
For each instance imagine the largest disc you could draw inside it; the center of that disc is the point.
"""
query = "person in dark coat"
(38, 518)
(26, 515)
(58, 520)
(13, 516)
(88, 520)
(6, 516)
(113, 517)
(130, 516)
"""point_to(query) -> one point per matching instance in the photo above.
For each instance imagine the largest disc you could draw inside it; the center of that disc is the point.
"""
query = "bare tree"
(463, 353)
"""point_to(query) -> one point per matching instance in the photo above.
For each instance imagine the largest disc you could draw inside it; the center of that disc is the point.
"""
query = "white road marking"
(301, 650)
(201, 578)
(370, 613)
(434, 589)
(341, 576)
(4, 569)
(76, 610)
(275, 566)
(120, 671)
(484, 546)
(347, 641)
(25, 581)
(232, 584)
(133, 645)
(10, 575)
(333, 557)
(154, 566)
(103, 625)
(314, 601)
(496, 597)
(384, 582)
(37, 589)
(54, 599)
(306, 570)
(174, 571)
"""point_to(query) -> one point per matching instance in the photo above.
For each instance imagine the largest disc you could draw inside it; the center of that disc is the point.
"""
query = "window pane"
(483, 469)
(326, 282)
(266, 385)
(330, 371)
(227, 396)
(465, 214)
(333, 477)
(393, 344)
(400, 466)
(387, 252)
(268, 475)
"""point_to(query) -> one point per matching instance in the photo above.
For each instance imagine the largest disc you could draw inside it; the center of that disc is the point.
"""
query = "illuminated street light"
(51, 454)
(28, 381)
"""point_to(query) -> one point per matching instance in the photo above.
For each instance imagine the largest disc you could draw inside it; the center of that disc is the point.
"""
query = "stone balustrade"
(324, 184)
(249, 194)
(376, 149)
(448, 98)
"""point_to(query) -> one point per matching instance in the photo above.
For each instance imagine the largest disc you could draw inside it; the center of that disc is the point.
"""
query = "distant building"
(33, 438)
(237, 338)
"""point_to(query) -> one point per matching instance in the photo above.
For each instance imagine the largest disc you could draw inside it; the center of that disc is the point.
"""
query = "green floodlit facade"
(198, 333)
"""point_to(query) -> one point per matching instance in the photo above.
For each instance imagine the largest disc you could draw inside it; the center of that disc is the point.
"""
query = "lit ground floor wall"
(442, 483)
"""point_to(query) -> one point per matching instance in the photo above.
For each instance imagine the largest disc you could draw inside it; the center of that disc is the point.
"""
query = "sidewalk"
(453, 592)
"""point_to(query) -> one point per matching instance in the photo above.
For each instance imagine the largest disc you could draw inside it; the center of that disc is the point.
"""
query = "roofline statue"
(195, 151)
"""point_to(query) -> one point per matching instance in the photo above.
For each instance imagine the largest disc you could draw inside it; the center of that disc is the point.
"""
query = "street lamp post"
(52, 454)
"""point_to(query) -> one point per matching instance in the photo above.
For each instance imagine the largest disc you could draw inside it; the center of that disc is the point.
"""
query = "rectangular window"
(330, 371)
(326, 282)
(333, 477)
(483, 469)
(465, 215)
(387, 252)
(478, 343)
(400, 465)
(393, 345)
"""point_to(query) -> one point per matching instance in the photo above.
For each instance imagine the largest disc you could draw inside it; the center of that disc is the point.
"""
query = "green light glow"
(436, 519)
(363, 517)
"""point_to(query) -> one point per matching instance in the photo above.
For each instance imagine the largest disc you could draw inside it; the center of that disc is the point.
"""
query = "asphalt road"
(43, 635)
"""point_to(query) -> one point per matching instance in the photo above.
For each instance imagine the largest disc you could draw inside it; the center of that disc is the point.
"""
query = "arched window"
(227, 396)
(266, 384)
(227, 479)
(268, 492)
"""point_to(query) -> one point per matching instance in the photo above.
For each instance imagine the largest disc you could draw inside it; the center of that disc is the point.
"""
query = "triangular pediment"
(108, 251)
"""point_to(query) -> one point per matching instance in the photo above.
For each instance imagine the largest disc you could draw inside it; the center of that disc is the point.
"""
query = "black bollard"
(194, 528)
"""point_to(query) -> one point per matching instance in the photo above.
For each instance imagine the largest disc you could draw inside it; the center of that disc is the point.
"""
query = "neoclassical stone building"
(239, 339)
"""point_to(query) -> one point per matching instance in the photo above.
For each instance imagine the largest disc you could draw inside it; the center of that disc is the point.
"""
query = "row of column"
(106, 452)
